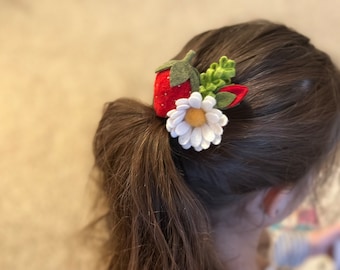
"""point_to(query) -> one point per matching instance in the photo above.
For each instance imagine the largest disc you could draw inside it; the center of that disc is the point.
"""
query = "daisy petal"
(186, 146)
(177, 114)
(196, 137)
(182, 128)
(169, 125)
(212, 117)
(218, 130)
(223, 120)
(217, 112)
(198, 148)
(181, 101)
(170, 113)
(208, 103)
(182, 107)
(205, 144)
(195, 100)
(217, 140)
(173, 134)
(208, 133)
(185, 138)
(178, 119)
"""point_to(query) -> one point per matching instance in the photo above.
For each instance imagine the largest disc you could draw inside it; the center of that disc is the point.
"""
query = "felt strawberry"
(174, 80)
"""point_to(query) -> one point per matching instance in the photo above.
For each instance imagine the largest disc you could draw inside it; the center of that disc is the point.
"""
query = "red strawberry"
(174, 80)
(165, 96)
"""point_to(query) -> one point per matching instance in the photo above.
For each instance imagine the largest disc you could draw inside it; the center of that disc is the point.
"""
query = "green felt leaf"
(211, 87)
(212, 95)
(179, 73)
(203, 90)
(225, 62)
(203, 79)
(187, 59)
(224, 73)
(195, 80)
(189, 56)
(218, 84)
(217, 75)
(210, 74)
(167, 65)
(224, 99)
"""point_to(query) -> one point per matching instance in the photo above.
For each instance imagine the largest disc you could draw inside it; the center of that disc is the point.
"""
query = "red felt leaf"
(239, 90)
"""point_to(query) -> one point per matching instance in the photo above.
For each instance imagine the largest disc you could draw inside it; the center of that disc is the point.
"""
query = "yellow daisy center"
(195, 117)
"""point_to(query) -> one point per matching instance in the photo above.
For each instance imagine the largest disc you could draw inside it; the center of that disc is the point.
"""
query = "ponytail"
(155, 221)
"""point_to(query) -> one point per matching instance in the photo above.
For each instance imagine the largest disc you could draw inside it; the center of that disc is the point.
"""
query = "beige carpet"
(59, 62)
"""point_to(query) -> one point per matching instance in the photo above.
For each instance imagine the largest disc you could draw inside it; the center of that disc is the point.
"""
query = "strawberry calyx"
(182, 71)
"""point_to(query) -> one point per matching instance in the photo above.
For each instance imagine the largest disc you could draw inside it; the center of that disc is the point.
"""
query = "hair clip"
(193, 102)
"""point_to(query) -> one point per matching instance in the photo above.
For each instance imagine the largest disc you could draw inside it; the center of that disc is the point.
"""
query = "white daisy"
(196, 122)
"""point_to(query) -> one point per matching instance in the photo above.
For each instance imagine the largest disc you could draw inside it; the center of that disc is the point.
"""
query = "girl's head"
(164, 201)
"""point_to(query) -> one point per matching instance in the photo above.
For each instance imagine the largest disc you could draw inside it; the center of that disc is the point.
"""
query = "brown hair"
(159, 195)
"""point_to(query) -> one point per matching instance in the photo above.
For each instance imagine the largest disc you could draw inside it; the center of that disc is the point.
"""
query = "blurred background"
(60, 61)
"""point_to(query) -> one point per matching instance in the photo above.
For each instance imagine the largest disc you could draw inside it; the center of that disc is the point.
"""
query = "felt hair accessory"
(193, 102)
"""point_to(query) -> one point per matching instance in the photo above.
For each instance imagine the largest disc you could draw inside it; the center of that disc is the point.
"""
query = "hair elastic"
(193, 101)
